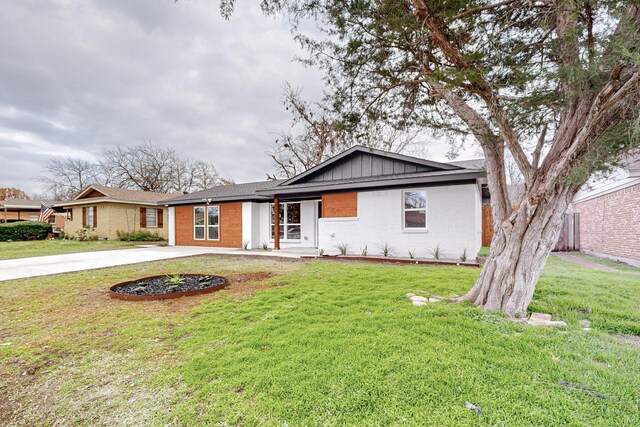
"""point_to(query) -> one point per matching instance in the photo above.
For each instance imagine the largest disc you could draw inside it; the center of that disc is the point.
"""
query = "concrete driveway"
(55, 264)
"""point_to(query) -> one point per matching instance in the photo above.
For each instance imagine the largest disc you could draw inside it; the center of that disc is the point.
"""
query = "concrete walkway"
(55, 264)
(566, 256)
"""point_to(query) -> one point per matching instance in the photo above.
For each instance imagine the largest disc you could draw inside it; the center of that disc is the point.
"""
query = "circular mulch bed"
(166, 287)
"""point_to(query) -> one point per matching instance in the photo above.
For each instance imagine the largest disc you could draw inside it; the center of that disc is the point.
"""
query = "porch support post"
(276, 223)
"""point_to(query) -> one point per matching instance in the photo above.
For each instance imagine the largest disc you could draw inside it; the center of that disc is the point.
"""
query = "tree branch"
(535, 161)
(484, 89)
(481, 9)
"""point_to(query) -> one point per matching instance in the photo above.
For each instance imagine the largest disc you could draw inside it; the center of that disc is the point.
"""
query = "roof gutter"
(246, 198)
(103, 200)
(371, 185)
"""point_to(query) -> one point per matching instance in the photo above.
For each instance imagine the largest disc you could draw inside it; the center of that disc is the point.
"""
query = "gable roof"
(372, 183)
(246, 191)
(96, 193)
(363, 162)
(356, 168)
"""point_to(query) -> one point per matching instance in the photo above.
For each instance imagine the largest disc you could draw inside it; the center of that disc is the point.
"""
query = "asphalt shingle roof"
(246, 190)
(260, 190)
(476, 164)
(27, 203)
(130, 195)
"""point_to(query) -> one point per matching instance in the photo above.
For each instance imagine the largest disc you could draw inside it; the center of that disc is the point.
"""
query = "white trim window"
(414, 209)
(198, 223)
(289, 221)
(206, 227)
(213, 222)
(151, 219)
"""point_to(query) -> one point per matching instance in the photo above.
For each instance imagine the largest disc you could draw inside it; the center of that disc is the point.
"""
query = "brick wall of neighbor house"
(113, 217)
(230, 226)
(60, 220)
(610, 224)
(19, 215)
(340, 205)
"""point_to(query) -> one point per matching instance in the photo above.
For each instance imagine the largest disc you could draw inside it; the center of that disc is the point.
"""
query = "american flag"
(45, 212)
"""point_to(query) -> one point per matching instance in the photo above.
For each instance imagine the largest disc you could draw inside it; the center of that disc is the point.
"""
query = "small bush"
(26, 230)
(364, 251)
(385, 249)
(321, 252)
(138, 236)
(437, 252)
(245, 245)
(85, 234)
(463, 255)
(265, 247)
(412, 253)
(176, 279)
(343, 248)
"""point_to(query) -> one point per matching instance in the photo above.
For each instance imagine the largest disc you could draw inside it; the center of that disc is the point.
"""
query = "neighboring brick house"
(105, 211)
(14, 210)
(361, 198)
(610, 217)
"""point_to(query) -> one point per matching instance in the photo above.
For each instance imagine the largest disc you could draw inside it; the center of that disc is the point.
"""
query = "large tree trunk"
(519, 250)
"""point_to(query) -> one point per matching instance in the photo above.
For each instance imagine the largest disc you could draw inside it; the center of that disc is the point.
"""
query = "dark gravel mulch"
(164, 285)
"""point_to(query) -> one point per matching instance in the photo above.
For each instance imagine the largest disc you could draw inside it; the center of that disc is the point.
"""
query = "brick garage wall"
(340, 205)
(230, 226)
(610, 224)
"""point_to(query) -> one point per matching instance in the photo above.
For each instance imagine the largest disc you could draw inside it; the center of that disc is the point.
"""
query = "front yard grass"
(12, 250)
(315, 343)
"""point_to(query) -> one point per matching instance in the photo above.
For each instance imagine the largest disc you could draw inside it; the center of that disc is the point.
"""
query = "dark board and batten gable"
(360, 162)
(363, 165)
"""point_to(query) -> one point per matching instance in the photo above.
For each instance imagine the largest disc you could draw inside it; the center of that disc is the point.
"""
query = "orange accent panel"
(340, 205)
(230, 226)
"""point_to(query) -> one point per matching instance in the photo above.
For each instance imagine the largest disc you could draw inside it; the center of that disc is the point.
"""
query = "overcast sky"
(79, 75)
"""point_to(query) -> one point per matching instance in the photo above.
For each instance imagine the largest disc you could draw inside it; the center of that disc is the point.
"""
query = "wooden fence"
(487, 225)
(569, 239)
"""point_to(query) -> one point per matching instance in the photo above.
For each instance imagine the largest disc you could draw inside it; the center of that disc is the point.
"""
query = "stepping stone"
(418, 303)
(409, 295)
(542, 319)
(434, 300)
(419, 298)
(586, 325)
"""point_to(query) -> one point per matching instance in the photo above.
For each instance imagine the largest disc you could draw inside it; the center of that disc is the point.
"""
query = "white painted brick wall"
(453, 222)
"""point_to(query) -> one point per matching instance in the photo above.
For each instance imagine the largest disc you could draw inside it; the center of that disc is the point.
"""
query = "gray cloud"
(76, 76)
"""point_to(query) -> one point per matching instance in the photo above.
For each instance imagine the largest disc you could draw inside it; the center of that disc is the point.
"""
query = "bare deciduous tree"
(145, 167)
(66, 177)
(316, 134)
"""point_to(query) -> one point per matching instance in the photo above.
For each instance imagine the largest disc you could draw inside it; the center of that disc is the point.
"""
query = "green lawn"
(11, 250)
(316, 343)
(484, 251)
